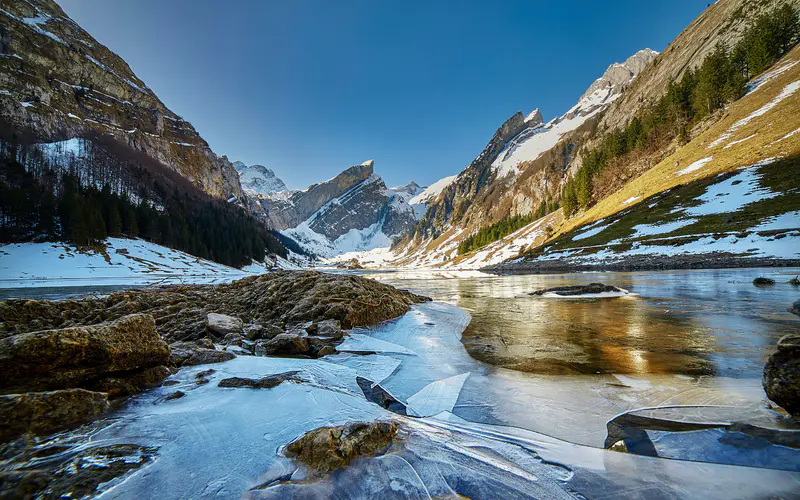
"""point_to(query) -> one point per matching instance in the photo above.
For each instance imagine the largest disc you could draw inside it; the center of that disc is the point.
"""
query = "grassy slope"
(773, 125)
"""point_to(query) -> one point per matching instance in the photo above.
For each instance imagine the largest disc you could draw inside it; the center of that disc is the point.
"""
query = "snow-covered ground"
(125, 261)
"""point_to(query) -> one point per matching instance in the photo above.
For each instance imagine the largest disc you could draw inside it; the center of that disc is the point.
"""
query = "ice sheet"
(437, 397)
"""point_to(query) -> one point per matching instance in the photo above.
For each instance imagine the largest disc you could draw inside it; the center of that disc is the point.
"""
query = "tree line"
(719, 80)
(504, 227)
(54, 197)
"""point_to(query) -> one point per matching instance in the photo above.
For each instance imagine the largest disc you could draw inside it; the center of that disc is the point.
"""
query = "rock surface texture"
(567, 291)
(282, 298)
(60, 83)
(781, 378)
(329, 448)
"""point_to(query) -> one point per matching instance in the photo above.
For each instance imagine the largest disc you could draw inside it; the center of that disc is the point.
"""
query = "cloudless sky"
(309, 88)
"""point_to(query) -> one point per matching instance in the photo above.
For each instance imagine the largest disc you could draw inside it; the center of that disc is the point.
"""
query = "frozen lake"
(507, 396)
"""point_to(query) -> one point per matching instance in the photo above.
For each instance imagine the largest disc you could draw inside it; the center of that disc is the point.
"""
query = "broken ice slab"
(717, 434)
(437, 397)
(373, 367)
(357, 342)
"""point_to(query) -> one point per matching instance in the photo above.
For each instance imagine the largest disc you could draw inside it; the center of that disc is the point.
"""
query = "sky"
(311, 87)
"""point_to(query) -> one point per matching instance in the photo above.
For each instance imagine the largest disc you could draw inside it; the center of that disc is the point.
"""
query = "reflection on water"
(696, 322)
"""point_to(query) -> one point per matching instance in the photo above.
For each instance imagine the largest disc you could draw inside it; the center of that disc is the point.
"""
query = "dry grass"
(768, 128)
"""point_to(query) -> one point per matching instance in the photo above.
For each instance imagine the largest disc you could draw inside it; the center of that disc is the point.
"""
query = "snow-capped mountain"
(354, 211)
(538, 137)
(258, 179)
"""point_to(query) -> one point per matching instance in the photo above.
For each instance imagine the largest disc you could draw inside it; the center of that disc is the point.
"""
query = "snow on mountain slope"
(432, 191)
(366, 216)
(124, 261)
(538, 138)
(258, 179)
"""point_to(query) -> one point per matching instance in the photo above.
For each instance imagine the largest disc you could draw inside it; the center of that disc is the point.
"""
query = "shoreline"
(643, 263)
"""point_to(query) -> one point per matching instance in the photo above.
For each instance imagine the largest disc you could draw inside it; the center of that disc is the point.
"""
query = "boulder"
(224, 324)
(190, 354)
(794, 308)
(572, 290)
(43, 412)
(329, 448)
(267, 382)
(781, 379)
(287, 343)
(80, 356)
(761, 281)
(132, 383)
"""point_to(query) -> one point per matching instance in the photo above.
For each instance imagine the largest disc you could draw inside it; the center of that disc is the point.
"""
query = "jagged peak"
(368, 163)
(534, 118)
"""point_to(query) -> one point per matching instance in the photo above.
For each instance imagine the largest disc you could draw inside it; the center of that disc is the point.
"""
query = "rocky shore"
(64, 361)
(652, 262)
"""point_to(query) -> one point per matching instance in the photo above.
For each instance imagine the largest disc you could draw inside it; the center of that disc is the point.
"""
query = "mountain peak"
(534, 118)
(258, 179)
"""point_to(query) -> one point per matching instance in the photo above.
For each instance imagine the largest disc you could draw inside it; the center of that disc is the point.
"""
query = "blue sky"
(309, 88)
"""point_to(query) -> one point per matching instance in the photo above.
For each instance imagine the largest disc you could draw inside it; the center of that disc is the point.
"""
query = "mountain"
(88, 152)
(616, 160)
(505, 178)
(258, 179)
(353, 211)
(58, 83)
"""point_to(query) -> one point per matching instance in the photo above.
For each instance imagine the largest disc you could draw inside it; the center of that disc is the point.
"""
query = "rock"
(276, 298)
(80, 356)
(253, 331)
(175, 395)
(224, 324)
(326, 350)
(327, 328)
(189, 354)
(287, 343)
(377, 394)
(23, 483)
(267, 382)
(794, 308)
(329, 448)
(92, 467)
(132, 383)
(567, 291)
(43, 412)
(781, 379)
(205, 343)
(762, 281)
(794, 281)
(234, 339)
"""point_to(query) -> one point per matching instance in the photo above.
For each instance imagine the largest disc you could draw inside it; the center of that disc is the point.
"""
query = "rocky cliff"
(353, 211)
(57, 83)
(522, 165)
(258, 180)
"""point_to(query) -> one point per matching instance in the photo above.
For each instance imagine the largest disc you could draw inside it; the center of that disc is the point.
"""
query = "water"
(516, 406)
(695, 323)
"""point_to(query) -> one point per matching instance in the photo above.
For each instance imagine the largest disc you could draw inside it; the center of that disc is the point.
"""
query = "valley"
(602, 303)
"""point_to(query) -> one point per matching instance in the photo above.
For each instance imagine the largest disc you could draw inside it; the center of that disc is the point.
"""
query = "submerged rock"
(224, 324)
(82, 356)
(794, 308)
(267, 382)
(329, 448)
(43, 412)
(572, 290)
(762, 281)
(781, 377)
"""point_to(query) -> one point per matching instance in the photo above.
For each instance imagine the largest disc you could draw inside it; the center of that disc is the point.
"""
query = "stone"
(44, 412)
(175, 395)
(572, 290)
(267, 382)
(119, 386)
(326, 350)
(189, 354)
(23, 483)
(253, 331)
(287, 343)
(329, 448)
(781, 378)
(762, 281)
(234, 339)
(794, 308)
(327, 328)
(79, 356)
(224, 324)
